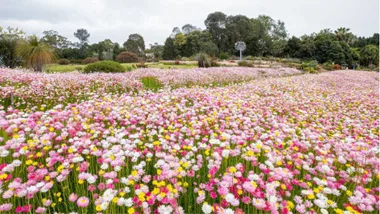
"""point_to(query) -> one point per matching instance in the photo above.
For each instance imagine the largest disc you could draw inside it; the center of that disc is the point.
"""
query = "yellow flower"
(159, 171)
(134, 173)
(98, 208)
(3, 176)
(101, 172)
(122, 194)
(115, 200)
(338, 211)
(283, 186)
(80, 181)
(47, 178)
(310, 196)
(232, 169)
(348, 192)
(131, 210)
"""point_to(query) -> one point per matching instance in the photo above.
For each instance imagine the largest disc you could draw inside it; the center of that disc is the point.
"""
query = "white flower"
(225, 153)
(229, 211)
(165, 209)
(128, 202)
(230, 198)
(323, 211)
(206, 208)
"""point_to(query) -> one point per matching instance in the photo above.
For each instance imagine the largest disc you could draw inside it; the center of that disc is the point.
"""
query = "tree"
(35, 53)
(157, 50)
(278, 47)
(135, 44)
(369, 55)
(188, 28)
(8, 42)
(52, 38)
(209, 48)
(170, 51)
(82, 35)
(216, 24)
(344, 34)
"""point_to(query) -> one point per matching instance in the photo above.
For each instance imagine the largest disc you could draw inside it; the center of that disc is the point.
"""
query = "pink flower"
(83, 201)
(5, 207)
(40, 210)
(73, 197)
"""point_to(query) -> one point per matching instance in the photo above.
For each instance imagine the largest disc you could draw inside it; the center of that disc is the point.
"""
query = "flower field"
(101, 143)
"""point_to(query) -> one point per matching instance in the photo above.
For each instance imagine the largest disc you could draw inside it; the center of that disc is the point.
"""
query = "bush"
(177, 62)
(336, 67)
(78, 68)
(141, 65)
(328, 66)
(249, 58)
(214, 63)
(203, 61)
(104, 66)
(223, 56)
(63, 61)
(89, 60)
(76, 61)
(310, 64)
(245, 63)
(127, 57)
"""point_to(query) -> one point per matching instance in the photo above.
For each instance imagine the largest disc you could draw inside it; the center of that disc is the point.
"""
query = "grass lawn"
(56, 68)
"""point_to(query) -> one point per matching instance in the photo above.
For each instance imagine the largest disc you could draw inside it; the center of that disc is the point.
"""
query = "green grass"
(56, 68)
(151, 83)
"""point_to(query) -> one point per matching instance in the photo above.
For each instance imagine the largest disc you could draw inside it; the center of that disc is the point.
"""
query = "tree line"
(264, 37)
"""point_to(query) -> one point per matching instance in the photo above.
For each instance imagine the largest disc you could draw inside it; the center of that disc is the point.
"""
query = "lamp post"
(240, 46)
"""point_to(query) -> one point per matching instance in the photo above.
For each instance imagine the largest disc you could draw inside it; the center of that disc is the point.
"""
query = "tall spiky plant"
(35, 53)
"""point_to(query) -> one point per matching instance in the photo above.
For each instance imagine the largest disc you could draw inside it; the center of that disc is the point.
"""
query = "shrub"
(104, 66)
(78, 68)
(203, 61)
(127, 57)
(328, 66)
(336, 67)
(310, 64)
(142, 65)
(89, 60)
(245, 63)
(223, 56)
(214, 63)
(177, 62)
(63, 61)
(76, 61)
(249, 58)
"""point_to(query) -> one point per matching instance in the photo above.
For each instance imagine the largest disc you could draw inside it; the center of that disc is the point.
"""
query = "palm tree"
(343, 34)
(35, 53)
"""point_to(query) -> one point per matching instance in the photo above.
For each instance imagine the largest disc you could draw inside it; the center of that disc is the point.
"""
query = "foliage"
(310, 66)
(82, 35)
(63, 61)
(35, 53)
(52, 38)
(369, 55)
(127, 57)
(203, 60)
(89, 60)
(336, 67)
(223, 56)
(8, 42)
(141, 65)
(245, 63)
(135, 44)
(104, 66)
(170, 51)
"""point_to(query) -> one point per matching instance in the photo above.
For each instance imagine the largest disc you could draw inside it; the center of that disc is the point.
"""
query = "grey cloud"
(154, 20)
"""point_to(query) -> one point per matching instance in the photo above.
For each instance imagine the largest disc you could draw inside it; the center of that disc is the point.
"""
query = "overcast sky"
(155, 19)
